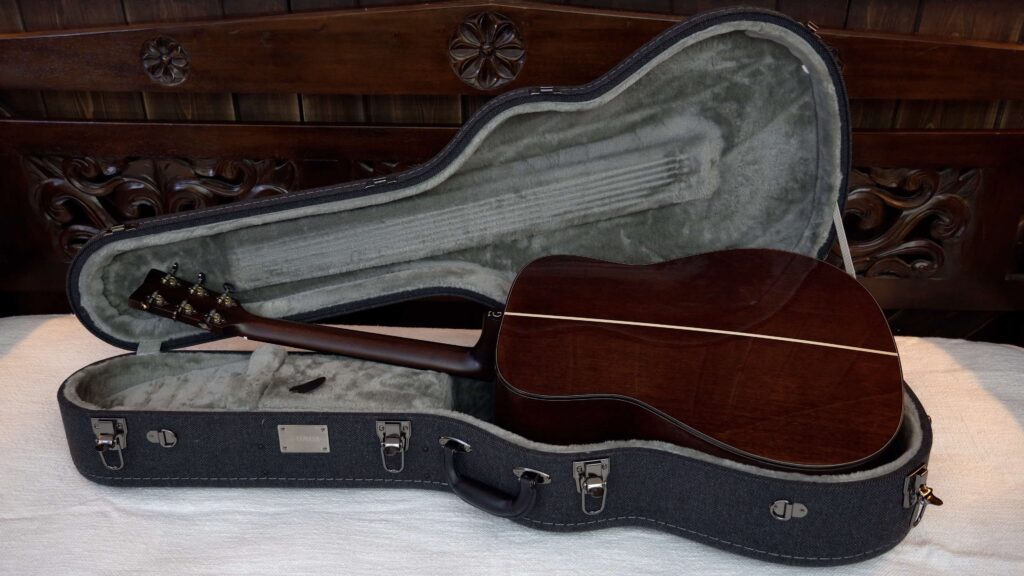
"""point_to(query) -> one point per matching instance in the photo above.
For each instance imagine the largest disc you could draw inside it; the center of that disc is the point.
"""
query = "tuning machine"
(225, 299)
(154, 299)
(170, 279)
(197, 289)
(185, 307)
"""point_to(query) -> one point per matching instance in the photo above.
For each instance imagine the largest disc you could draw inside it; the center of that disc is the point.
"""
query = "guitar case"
(728, 130)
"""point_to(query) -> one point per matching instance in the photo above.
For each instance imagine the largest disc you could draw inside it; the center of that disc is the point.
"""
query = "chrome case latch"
(918, 494)
(111, 437)
(394, 439)
(592, 484)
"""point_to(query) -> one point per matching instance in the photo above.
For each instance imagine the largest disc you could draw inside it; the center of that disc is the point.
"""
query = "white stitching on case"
(708, 536)
(258, 478)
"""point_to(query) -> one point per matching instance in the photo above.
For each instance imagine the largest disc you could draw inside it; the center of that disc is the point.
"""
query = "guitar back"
(753, 354)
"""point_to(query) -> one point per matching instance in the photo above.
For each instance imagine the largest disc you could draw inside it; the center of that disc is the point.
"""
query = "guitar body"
(755, 355)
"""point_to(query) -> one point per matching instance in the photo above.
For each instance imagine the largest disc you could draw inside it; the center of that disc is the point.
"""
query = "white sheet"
(54, 522)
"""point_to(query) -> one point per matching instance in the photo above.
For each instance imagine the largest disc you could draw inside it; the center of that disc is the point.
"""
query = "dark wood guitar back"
(740, 353)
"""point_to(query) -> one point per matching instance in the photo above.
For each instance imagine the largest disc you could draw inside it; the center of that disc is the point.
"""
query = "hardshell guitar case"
(728, 130)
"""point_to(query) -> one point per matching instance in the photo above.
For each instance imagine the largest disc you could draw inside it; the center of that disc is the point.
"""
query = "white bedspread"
(55, 522)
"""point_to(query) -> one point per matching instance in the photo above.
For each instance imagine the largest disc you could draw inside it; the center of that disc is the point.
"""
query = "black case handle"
(485, 497)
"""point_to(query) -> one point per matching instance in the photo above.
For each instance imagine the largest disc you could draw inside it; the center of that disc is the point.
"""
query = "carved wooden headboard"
(142, 117)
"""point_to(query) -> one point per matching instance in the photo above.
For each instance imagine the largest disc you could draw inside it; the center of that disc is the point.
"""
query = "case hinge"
(544, 90)
(592, 484)
(394, 436)
(917, 494)
(111, 437)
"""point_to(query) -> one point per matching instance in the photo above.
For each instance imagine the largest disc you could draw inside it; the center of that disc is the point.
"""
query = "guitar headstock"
(165, 294)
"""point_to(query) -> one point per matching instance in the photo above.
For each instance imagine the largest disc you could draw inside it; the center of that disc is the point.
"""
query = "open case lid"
(728, 130)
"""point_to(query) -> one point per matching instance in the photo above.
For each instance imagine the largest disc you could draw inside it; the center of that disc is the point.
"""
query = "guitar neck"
(476, 362)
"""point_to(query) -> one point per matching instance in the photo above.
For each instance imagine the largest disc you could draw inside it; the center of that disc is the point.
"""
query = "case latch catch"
(163, 437)
(784, 510)
(394, 439)
(592, 484)
(111, 436)
(918, 494)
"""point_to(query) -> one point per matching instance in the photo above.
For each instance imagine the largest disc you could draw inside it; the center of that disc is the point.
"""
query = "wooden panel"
(17, 102)
(661, 6)
(882, 15)
(414, 109)
(889, 66)
(226, 140)
(263, 107)
(895, 16)
(995, 20)
(824, 13)
(690, 7)
(330, 107)
(91, 105)
(341, 53)
(195, 105)
(946, 213)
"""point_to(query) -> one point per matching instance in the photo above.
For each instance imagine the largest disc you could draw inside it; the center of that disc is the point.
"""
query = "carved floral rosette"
(165, 61)
(905, 222)
(486, 51)
(78, 198)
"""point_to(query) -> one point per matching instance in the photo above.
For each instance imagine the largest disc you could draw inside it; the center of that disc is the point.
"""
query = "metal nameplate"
(303, 439)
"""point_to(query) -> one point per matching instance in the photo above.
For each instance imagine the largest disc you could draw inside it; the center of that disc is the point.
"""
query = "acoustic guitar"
(759, 356)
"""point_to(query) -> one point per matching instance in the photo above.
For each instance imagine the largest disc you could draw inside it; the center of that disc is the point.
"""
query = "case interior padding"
(727, 137)
(241, 382)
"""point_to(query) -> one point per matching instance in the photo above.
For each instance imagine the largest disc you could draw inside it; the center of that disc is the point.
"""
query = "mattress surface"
(54, 521)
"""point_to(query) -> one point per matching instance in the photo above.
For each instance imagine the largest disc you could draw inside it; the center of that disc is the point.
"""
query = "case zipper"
(455, 146)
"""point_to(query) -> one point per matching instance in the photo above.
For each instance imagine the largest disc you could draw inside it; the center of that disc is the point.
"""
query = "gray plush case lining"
(728, 137)
(260, 382)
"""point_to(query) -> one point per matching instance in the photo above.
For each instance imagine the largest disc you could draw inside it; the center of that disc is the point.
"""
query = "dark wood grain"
(191, 105)
(225, 140)
(783, 401)
(691, 7)
(893, 16)
(317, 53)
(990, 20)
(263, 107)
(824, 13)
(92, 105)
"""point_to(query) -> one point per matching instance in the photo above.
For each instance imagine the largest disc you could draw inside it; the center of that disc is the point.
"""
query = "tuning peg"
(197, 289)
(225, 299)
(183, 308)
(170, 279)
(214, 319)
(154, 298)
